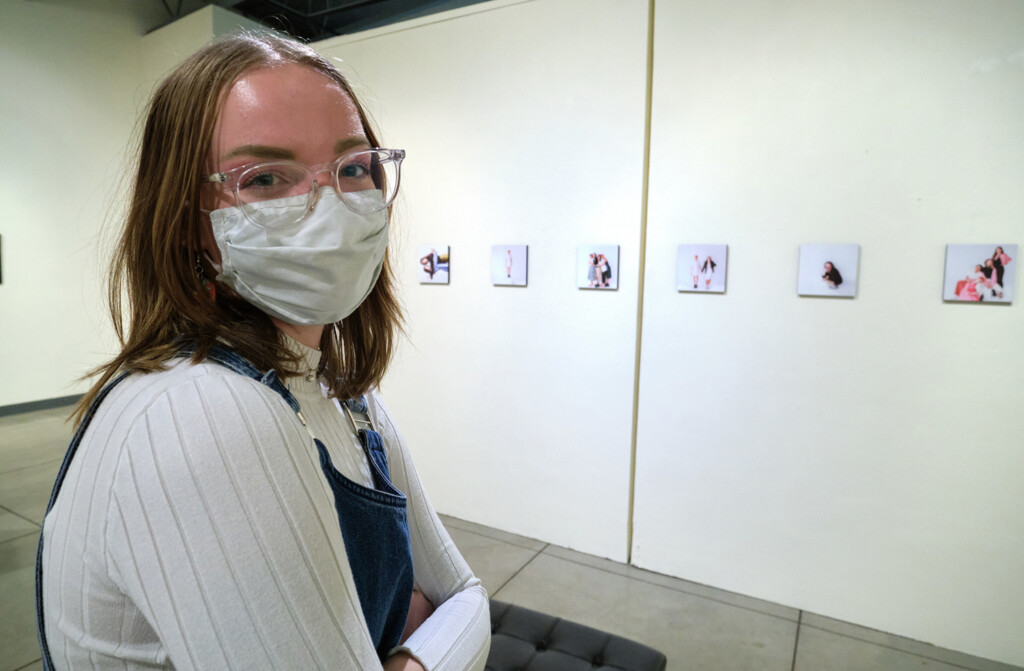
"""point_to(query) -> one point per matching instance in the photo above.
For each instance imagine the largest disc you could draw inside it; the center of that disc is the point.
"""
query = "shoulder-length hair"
(156, 296)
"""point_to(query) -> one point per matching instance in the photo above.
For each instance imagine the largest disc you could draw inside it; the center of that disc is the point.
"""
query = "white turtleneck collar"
(306, 383)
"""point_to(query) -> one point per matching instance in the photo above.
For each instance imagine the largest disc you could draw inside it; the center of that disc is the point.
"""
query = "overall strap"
(61, 474)
(358, 412)
(234, 361)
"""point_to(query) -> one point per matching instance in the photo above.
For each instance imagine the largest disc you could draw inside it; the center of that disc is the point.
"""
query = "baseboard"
(45, 404)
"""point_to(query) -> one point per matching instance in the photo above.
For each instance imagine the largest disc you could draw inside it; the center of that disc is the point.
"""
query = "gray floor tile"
(26, 491)
(696, 589)
(34, 438)
(497, 534)
(17, 607)
(692, 631)
(898, 643)
(13, 526)
(493, 561)
(819, 649)
(35, 666)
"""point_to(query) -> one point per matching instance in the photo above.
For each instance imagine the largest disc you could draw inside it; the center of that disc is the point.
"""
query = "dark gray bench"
(525, 640)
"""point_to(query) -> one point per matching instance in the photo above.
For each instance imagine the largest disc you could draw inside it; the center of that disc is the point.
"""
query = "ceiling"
(319, 19)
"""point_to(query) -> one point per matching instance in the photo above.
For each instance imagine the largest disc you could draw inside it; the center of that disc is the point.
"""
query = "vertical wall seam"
(648, 94)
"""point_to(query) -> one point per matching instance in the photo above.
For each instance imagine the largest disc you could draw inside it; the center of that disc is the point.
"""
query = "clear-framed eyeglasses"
(366, 181)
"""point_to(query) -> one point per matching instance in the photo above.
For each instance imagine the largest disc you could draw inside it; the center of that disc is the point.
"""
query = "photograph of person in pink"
(974, 273)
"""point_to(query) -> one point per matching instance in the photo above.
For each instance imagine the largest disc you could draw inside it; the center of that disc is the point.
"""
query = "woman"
(831, 276)
(225, 502)
(990, 286)
(604, 271)
(429, 263)
(1000, 260)
(708, 271)
(967, 289)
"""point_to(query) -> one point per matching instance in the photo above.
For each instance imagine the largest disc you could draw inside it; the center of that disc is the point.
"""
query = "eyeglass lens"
(365, 181)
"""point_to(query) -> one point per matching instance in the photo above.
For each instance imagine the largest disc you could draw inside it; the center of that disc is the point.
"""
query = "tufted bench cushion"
(525, 640)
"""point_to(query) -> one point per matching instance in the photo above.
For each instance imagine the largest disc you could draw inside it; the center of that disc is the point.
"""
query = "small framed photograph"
(433, 264)
(980, 273)
(509, 265)
(701, 268)
(828, 270)
(597, 267)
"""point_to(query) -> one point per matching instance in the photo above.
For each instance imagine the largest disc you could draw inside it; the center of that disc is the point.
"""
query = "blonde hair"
(154, 283)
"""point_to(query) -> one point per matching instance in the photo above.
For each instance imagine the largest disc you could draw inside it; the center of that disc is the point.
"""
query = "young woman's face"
(828, 266)
(999, 250)
(288, 112)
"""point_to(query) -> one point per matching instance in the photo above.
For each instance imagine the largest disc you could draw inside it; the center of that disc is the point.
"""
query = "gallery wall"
(858, 458)
(76, 77)
(855, 458)
(68, 106)
(524, 124)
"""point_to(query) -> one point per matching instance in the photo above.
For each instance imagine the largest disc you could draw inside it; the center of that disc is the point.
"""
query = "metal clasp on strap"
(360, 421)
(305, 426)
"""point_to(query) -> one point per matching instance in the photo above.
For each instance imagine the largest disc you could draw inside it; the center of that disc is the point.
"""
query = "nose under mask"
(317, 271)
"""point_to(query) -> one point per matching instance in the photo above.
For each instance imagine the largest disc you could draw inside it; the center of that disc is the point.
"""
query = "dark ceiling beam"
(323, 27)
(322, 12)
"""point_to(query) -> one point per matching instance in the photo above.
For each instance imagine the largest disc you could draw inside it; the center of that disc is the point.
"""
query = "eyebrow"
(266, 151)
(259, 151)
(343, 145)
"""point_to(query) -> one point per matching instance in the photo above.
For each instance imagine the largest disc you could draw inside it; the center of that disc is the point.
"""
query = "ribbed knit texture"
(195, 530)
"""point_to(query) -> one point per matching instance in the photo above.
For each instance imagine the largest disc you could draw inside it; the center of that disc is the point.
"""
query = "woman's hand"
(420, 609)
(402, 661)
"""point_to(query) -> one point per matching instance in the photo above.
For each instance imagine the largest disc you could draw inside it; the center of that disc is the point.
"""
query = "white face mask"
(315, 272)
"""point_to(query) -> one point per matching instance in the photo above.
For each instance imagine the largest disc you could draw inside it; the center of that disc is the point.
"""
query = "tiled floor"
(697, 627)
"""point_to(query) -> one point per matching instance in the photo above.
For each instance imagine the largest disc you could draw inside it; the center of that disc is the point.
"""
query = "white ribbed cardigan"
(195, 529)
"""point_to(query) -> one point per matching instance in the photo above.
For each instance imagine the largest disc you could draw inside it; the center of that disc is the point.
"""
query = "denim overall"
(373, 521)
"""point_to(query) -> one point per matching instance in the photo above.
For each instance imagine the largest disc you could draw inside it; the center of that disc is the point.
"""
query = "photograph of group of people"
(701, 268)
(980, 273)
(509, 265)
(597, 267)
(433, 264)
(828, 270)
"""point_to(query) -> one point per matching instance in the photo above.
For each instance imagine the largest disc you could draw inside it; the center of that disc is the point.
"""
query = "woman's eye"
(262, 180)
(356, 170)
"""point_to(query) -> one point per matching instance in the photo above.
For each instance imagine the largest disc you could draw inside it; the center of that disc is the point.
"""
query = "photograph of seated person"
(236, 494)
(831, 276)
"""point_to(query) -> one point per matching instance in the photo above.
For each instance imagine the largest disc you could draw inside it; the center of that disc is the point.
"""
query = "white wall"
(75, 78)
(860, 459)
(524, 124)
(68, 106)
